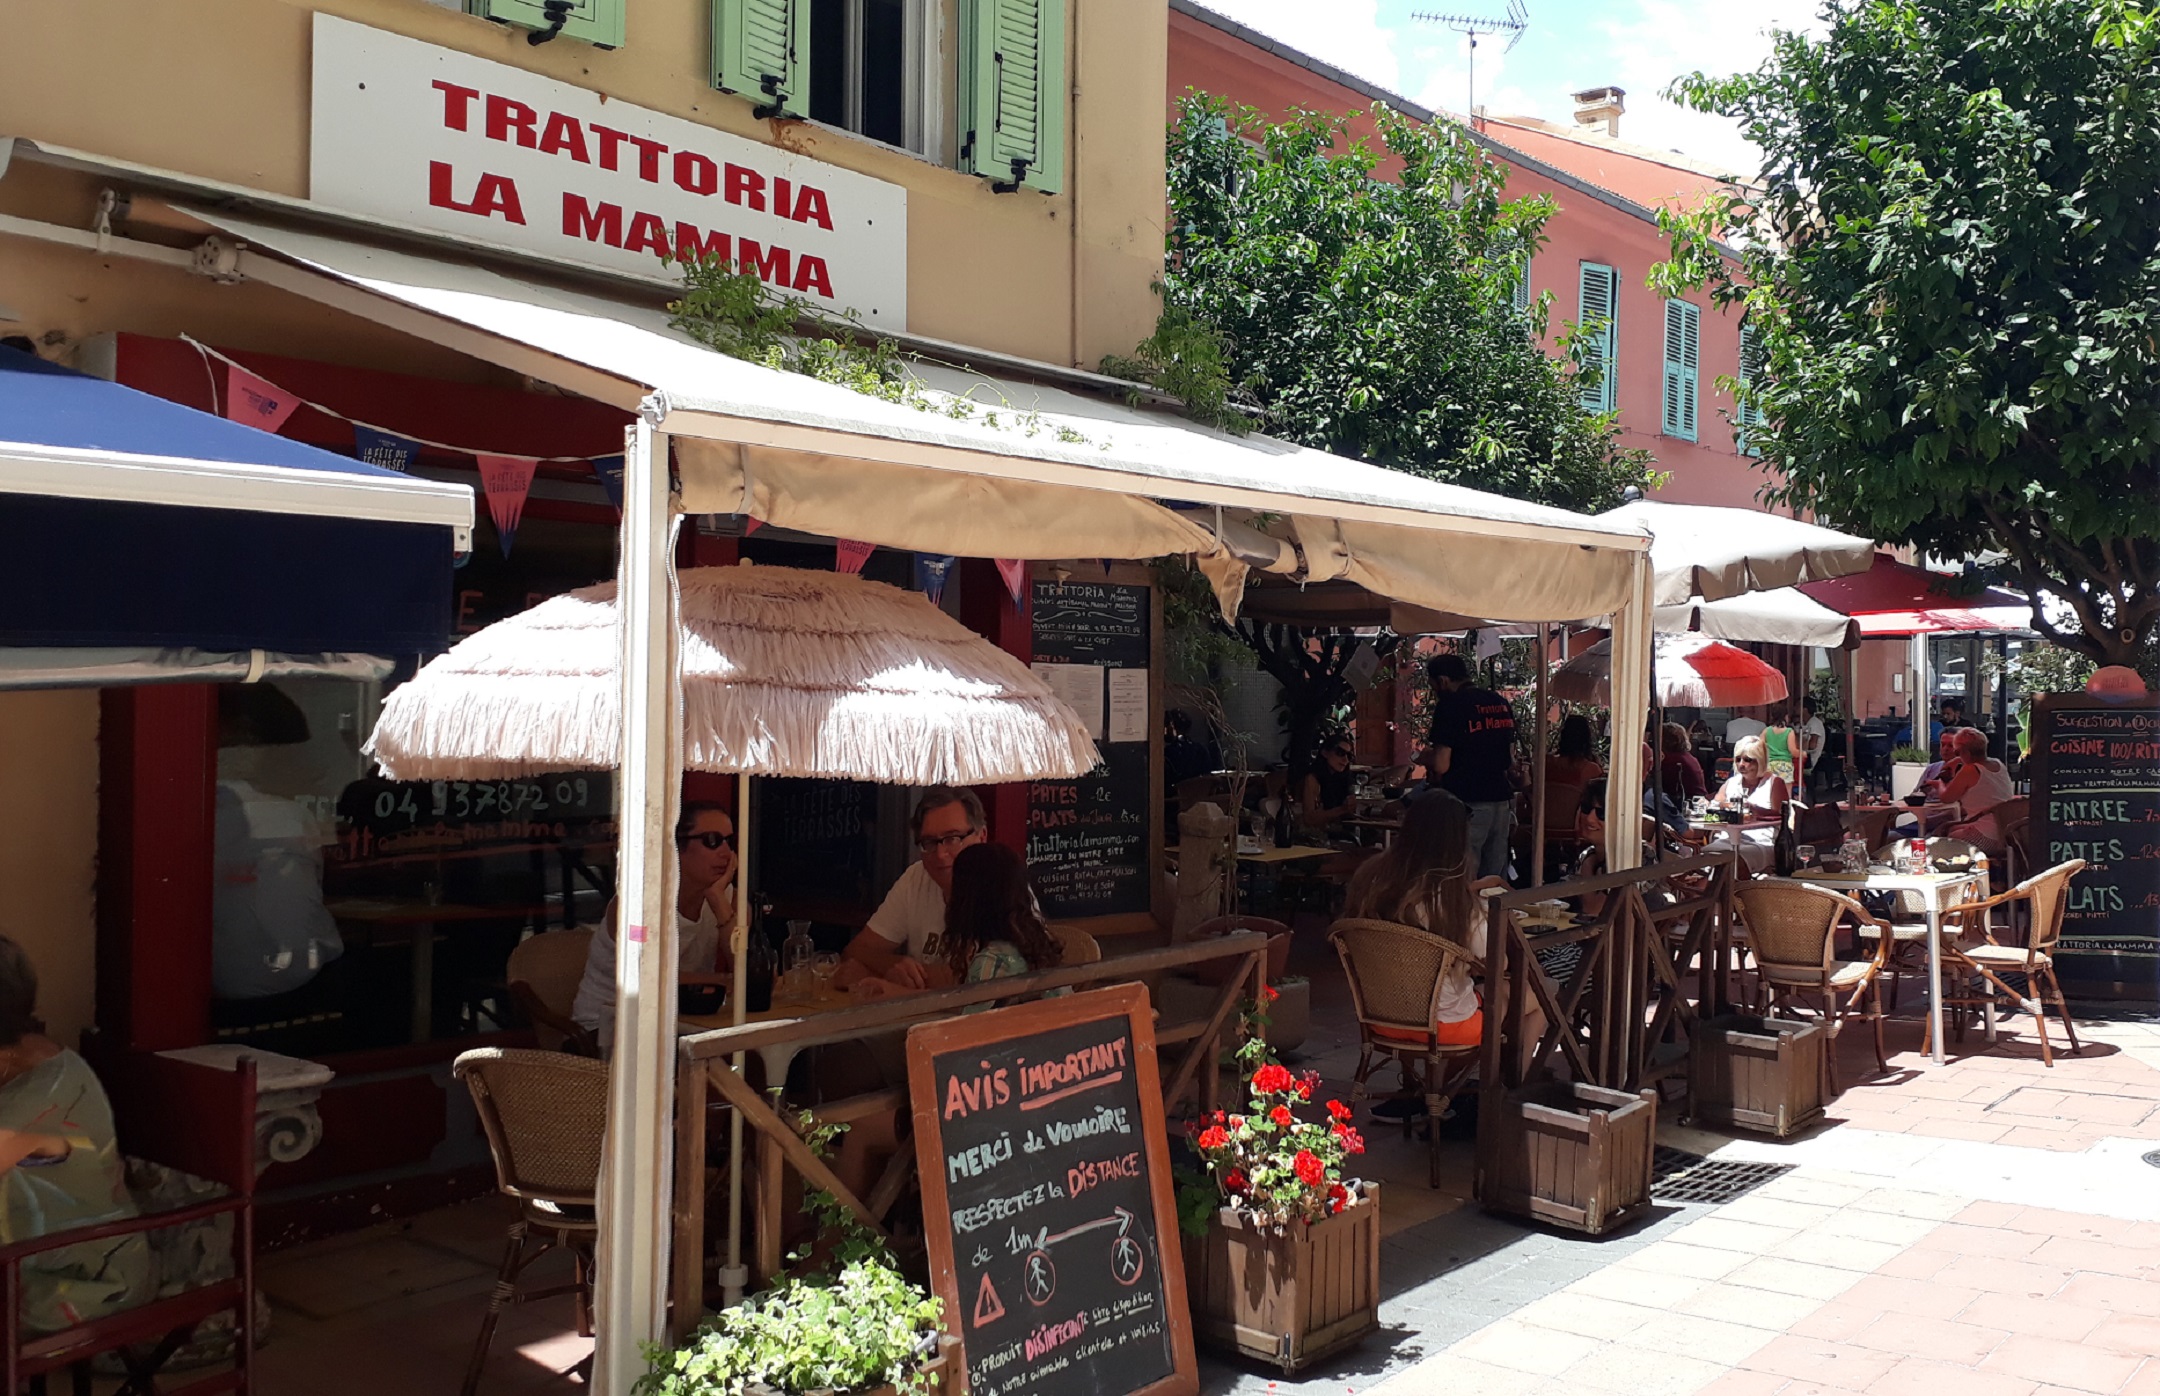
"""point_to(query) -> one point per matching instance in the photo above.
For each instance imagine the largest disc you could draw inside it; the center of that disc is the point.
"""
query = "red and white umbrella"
(1691, 671)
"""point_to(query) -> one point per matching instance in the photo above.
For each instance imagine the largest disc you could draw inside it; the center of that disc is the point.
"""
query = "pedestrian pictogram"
(1038, 1277)
(1126, 1260)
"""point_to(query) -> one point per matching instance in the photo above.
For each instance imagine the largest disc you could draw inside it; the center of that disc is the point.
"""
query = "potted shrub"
(1282, 1251)
(863, 1330)
(1906, 764)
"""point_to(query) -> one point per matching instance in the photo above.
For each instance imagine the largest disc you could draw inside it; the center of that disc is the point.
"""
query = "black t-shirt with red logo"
(1477, 727)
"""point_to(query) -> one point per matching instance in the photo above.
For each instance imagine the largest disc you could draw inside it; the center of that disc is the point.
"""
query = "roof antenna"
(1470, 26)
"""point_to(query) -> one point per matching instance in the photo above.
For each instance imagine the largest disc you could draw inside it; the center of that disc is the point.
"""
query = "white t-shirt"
(1991, 789)
(912, 916)
(697, 951)
(1813, 738)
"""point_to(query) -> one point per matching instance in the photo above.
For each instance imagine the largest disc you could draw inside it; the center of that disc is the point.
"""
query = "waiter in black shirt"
(1471, 755)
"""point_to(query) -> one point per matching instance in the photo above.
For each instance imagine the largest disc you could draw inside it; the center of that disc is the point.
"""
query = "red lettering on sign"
(457, 103)
(610, 146)
(783, 198)
(649, 152)
(505, 116)
(494, 194)
(810, 275)
(695, 173)
(694, 245)
(810, 208)
(594, 223)
(647, 234)
(564, 136)
(769, 263)
(746, 187)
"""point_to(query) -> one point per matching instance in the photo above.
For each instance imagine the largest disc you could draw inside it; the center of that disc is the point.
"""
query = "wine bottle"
(758, 962)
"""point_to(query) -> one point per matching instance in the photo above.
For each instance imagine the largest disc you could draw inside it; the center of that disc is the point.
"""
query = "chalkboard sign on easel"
(1087, 843)
(2096, 796)
(1046, 1198)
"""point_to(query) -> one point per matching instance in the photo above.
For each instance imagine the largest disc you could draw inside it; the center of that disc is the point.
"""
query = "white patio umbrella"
(1689, 671)
(1700, 550)
(1781, 616)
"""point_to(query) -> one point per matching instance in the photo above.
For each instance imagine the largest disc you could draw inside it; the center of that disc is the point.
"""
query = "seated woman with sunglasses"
(704, 915)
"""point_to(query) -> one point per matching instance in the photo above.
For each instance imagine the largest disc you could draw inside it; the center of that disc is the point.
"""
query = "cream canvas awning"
(1055, 474)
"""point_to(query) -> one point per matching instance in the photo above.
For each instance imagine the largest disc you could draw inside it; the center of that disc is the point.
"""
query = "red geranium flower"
(1338, 1110)
(1214, 1137)
(1237, 1122)
(1352, 1141)
(1311, 1171)
(1271, 1078)
(1281, 1116)
(1234, 1181)
(1336, 1197)
(1268, 994)
(1304, 1090)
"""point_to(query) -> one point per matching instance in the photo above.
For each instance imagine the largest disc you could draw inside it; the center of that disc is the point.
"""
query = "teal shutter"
(761, 49)
(1683, 364)
(1013, 92)
(1751, 372)
(1600, 322)
(1522, 289)
(597, 22)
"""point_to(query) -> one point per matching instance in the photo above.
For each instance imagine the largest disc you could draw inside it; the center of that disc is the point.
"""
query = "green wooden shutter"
(761, 49)
(1013, 91)
(1683, 363)
(1522, 289)
(1751, 368)
(1600, 319)
(598, 22)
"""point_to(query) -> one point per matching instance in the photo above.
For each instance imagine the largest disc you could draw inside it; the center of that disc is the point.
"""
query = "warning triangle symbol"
(988, 1309)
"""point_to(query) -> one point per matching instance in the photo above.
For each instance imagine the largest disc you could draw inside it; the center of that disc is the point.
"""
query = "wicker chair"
(2044, 897)
(1395, 974)
(544, 971)
(543, 1113)
(1908, 921)
(1792, 932)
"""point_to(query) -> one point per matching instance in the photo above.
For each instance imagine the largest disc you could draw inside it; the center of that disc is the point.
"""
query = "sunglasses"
(939, 842)
(711, 840)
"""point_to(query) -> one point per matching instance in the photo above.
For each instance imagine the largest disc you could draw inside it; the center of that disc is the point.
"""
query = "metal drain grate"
(1677, 1176)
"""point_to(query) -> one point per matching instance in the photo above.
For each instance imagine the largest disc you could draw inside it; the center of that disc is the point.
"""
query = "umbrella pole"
(1537, 767)
(637, 1168)
(1845, 710)
(734, 1279)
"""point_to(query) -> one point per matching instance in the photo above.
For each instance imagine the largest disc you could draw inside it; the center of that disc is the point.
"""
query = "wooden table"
(1289, 853)
(1933, 888)
(821, 998)
(423, 917)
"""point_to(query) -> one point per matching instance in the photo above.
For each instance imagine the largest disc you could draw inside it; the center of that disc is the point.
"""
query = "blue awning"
(129, 520)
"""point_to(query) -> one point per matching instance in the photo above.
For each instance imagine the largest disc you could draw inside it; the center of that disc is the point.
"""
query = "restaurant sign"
(440, 139)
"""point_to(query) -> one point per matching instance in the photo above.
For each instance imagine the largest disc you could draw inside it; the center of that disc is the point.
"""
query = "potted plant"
(864, 1330)
(1282, 1251)
(1906, 764)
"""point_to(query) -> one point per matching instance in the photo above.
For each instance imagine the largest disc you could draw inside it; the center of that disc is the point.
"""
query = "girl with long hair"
(1426, 879)
(993, 926)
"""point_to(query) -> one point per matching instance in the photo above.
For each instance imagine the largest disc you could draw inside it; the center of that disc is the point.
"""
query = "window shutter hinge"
(558, 14)
(769, 84)
(1019, 176)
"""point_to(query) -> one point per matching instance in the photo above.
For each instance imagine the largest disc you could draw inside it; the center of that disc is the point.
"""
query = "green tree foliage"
(1372, 317)
(1953, 261)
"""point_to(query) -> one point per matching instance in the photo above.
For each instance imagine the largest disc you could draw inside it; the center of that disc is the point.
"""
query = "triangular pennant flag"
(610, 469)
(255, 401)
(1105, 565)
(386, 449)
(507, 480)
(1014, 571)
(931, 570)
(851, 555)
(750, 525)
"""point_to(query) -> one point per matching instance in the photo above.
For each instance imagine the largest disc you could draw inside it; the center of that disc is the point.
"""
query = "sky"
(1639, 45)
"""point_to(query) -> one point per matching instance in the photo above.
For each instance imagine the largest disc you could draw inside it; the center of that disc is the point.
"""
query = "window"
(1600, 321)
(861, 79)
(1683, 363)
(1751, 373)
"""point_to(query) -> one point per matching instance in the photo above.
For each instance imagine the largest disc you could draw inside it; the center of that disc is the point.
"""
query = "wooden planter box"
(1763, 1074)
(1289, 1297)
(1571, 1156)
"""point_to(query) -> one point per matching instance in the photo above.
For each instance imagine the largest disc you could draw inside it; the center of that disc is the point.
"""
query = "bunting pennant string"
(1014, 571)
(931, 569)
(610, 471)
(507, 480)
(849, 555)
(384, 448)
(254, 401)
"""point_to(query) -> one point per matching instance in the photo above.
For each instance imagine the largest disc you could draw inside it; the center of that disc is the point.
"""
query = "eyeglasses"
(711, 839)
(1747, 761)
(937, 843)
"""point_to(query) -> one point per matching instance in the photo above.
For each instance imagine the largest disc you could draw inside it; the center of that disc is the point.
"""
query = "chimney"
(1601, 106)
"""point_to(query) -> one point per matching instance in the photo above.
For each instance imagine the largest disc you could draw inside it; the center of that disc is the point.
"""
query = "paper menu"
(1128, 705)
(1079, 687)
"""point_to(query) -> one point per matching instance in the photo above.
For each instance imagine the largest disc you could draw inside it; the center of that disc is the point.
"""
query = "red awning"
(1894, 598)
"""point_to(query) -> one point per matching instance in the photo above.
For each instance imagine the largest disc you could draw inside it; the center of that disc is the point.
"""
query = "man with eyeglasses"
(904, 941)
(704, 915)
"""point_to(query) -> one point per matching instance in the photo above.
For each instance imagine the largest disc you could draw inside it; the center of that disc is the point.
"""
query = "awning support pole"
(734, 1278)
(1537, 762)
(636, 1175)
(1631, 641)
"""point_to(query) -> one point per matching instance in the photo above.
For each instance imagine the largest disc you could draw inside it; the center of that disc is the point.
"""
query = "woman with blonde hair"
(1754, 788)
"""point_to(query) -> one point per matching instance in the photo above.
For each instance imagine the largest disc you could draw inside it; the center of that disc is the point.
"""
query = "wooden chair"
(2044, 897)
(195, 1119)
(1908, 922)
(544, 972)
(1792, 933)
(1395, 974)
(544, 1113)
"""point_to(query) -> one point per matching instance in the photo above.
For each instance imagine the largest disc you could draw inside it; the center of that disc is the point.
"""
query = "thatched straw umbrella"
(785, 672)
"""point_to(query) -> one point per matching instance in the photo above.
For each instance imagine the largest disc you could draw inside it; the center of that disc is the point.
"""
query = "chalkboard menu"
(397, 818)
(1046, 1198)
(1087, 846)
(2096, 796)
(817, 836)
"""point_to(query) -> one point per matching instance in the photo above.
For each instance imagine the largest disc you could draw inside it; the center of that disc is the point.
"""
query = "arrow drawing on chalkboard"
(1119, 1218)
(988, 1307)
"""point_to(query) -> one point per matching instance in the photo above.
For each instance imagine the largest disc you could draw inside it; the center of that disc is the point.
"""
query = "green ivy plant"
(866, 1327)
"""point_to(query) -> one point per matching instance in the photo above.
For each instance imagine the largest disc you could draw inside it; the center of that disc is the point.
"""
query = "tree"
(1952, 267)
(1374, 318)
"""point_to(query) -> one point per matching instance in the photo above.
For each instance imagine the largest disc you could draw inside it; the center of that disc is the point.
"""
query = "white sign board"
(439, 139)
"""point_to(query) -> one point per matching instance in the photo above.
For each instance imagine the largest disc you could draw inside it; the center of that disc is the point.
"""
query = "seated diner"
(1754, 789)
(704, 914)
(904, 941)
(1325, 794)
